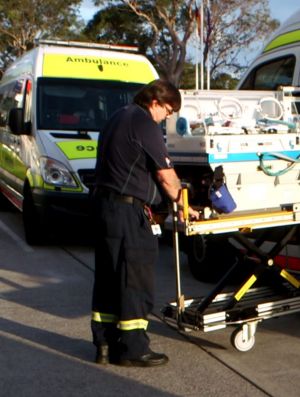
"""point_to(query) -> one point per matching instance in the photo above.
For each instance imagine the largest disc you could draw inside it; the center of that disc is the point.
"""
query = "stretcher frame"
(246, 306)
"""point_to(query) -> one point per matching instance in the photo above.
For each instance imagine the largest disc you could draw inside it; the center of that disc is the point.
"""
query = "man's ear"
(153, 104)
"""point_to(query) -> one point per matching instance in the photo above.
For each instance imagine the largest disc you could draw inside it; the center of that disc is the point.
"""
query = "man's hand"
(193, 215)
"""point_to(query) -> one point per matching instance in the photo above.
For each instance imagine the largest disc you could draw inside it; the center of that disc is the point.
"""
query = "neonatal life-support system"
(253, 137)
(238, 153)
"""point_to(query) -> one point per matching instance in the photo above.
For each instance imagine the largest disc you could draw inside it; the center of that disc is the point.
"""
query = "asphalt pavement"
(45, 338)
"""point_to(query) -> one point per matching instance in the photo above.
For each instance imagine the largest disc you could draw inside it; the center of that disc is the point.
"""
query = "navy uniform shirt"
(130, 150)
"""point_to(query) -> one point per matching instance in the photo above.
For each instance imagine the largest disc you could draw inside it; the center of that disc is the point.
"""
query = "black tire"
(210, 257)
(5, 204)
(34, 228)
(2, 201)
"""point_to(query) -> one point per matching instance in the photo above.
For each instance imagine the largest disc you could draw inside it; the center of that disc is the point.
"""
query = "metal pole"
(208, 58)
(201, 45)
(179, 298)
(197, 62)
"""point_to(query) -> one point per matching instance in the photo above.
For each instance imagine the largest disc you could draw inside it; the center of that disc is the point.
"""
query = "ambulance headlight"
(56, 173)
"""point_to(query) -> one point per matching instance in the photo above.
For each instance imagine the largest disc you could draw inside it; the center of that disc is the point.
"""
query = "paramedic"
(132, 168)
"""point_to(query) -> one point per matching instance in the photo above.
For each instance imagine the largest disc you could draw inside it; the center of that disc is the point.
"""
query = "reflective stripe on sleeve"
(104, 317)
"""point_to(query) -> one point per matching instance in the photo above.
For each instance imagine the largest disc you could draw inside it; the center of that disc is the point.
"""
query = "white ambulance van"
(54, 101)
(279, 62)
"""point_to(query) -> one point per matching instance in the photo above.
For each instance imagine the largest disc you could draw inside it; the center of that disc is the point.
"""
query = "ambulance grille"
(88, 178)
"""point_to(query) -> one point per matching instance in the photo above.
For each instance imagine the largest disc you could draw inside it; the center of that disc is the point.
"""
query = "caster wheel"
(241, 344)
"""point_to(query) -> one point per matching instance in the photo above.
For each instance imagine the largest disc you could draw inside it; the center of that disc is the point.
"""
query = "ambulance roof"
(287, 34)
(89, 61)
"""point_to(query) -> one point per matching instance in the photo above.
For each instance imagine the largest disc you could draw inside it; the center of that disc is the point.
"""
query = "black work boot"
(150, 359)
(136, 351)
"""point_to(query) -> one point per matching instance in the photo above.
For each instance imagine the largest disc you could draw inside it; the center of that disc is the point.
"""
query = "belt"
(113, 195)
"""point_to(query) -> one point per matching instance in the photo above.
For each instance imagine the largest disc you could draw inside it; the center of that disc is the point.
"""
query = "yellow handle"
(185, 202)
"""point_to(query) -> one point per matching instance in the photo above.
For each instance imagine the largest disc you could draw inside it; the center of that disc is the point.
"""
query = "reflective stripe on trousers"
(127, 325)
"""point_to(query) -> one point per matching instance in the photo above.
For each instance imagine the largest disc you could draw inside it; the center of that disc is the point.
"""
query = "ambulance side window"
(27, 105)
(11, 96)
(270, 75)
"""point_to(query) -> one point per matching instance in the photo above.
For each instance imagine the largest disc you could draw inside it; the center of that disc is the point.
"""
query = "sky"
(283, 9)
(87, 9)
(280, 9)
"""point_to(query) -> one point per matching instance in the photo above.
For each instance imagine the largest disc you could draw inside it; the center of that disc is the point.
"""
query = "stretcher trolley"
(252, 301)
(248, 144)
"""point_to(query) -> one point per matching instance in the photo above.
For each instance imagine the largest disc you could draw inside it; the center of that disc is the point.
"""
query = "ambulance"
(278, 64)
(54, 102)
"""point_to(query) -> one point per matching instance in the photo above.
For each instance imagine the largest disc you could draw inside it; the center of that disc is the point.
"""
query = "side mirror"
(15, 121)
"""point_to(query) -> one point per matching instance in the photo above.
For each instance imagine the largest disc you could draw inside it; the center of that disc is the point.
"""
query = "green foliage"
(22, 20)
(224, 81)
(164, 30)
(187, 80)
(117, 25)
(161, 30)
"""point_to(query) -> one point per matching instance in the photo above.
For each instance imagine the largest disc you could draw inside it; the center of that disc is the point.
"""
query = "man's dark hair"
(161, 90)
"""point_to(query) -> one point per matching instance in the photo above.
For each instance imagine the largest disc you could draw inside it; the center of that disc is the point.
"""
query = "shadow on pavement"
(28, 369)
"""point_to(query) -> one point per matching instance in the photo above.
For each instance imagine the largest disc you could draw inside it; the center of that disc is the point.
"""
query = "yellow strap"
(133, 324)
(104, 317)
(291, 279)
(241, 292)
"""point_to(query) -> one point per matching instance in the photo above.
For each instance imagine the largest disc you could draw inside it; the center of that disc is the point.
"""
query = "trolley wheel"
(240, 343)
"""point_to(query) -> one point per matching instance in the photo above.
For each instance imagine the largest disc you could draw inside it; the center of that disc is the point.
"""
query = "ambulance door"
(22, 142)
(11, 97)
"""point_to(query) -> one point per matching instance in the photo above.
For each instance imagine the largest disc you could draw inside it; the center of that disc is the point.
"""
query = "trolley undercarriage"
(268, 291)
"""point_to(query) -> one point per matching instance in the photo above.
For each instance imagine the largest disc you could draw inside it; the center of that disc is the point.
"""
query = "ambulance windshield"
(79, 104)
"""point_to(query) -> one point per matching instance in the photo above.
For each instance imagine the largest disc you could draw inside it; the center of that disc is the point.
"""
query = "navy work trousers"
(125, 254)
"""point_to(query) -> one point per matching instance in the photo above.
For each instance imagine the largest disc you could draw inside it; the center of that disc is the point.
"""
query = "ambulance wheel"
(5, 204)
(2, 201)
(210, 257)
(240, 343)
(31, 220)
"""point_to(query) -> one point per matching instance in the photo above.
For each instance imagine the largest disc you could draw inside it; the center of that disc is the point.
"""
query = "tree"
(113, 26)
(22, 20)
(223, 81)
(163, 29)
(230, 28)
(187, 80)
